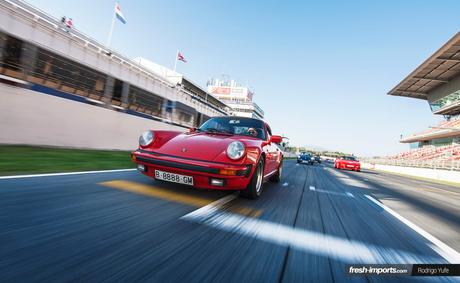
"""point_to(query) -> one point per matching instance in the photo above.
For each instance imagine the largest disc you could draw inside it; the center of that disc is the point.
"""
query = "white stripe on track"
(65, 174)
(211, 208)
(312, 188)
(444, 250)
(314, 242)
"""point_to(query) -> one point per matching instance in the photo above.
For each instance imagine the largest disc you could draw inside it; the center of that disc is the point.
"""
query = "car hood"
(199, 146)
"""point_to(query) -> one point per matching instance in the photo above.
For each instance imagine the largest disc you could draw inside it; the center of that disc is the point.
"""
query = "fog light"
(217, 182)
(141, 167)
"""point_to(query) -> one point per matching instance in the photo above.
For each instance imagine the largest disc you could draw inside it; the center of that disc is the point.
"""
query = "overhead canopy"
(442, 66)
(438, 134)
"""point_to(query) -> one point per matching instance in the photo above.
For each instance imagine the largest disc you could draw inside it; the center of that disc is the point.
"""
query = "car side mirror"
(192, 130)
(276, 139)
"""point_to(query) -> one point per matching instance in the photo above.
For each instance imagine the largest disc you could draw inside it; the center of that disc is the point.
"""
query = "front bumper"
(201, 171)
(351, 167)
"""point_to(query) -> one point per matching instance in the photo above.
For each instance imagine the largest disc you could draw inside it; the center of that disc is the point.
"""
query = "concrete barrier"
(34, 118)
(435, 174)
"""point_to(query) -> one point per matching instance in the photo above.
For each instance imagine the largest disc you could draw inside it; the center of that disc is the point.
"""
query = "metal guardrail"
(431, 164)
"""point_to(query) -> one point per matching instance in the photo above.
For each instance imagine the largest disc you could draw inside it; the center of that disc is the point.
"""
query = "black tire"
(251, 190)
(276, 178)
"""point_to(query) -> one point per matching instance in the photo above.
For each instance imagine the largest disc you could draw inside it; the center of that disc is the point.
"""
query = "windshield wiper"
(215, 131)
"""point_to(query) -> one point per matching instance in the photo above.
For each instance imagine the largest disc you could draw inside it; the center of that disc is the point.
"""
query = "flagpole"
(109, 39)
(175, 61)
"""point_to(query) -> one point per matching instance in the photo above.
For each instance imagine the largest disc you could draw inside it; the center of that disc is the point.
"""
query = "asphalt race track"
(125, 227)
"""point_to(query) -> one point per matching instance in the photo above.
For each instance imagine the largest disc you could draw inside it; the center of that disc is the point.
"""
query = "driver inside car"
(252, 132)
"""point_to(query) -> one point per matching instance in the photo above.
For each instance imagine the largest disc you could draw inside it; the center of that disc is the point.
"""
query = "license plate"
(172, 177)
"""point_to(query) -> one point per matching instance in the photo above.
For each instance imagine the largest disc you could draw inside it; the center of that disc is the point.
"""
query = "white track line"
(343, 249)
(444, 250)
(211, 208)
(64, 174)
(312, 188)
(350, 195)
(285, 184)
(330, 193)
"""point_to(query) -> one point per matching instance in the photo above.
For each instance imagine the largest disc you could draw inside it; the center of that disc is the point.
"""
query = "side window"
(269, 132)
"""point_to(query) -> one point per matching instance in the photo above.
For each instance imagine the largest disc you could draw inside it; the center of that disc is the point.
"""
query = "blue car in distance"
(306, 157)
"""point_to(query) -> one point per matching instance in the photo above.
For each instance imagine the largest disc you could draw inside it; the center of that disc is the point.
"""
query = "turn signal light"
(229, 172)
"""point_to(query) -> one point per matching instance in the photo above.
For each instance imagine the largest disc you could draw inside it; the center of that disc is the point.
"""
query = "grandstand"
(437, 80)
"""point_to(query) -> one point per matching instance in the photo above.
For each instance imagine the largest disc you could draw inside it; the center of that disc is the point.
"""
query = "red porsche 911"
(347, 162)
(225, 153)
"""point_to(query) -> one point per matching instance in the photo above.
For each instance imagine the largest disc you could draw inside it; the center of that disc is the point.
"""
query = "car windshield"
(350, 158)
(235, 126)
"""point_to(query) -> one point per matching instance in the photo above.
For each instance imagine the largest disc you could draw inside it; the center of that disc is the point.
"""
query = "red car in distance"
(347, 162)
(225, 153)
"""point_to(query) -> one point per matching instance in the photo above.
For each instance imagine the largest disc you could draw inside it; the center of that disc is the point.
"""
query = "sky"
(320, 70)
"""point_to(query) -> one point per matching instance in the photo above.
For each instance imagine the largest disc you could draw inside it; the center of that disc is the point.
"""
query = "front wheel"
(254, 189)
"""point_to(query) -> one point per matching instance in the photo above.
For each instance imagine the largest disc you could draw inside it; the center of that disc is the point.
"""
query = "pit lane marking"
(411, 188)
(436, 190)
(169, 195)
(441, 248)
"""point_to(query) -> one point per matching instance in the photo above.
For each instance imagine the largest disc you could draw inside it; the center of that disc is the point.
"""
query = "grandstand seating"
(447, 152)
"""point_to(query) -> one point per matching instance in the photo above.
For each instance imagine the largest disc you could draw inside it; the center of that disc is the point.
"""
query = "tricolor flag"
(181, 57)
(119, 14)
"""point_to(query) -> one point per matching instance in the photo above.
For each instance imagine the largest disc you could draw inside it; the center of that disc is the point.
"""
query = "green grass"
(15, 160)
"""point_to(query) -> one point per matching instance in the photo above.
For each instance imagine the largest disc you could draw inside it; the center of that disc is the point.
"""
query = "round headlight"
(235, 150)
(146, 138)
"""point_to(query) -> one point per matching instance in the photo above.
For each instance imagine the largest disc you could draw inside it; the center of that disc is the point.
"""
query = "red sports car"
(225, 153)
(347, 162)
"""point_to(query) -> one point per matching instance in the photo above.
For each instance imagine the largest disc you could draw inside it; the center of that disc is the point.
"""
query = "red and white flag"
(119, 14)
(181, 57)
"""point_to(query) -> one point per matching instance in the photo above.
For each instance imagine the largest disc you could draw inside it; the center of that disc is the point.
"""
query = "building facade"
(63, 79)
(239, 98)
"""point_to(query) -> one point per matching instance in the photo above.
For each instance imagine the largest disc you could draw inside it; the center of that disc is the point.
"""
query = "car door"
(272, 154)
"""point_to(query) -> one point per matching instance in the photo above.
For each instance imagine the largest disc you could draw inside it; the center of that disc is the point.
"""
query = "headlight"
(146, 138)
(235, 150)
